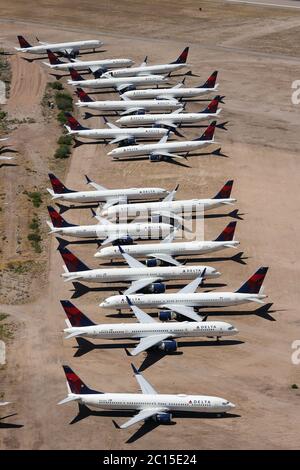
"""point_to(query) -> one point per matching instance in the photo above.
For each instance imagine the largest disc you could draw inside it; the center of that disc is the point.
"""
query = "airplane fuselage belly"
(170, 147)
(102, 196)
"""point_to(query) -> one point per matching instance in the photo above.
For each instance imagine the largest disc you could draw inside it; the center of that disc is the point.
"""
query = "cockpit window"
(225, 403)
(231, 328)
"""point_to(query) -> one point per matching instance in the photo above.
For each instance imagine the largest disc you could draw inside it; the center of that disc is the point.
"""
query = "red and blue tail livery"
(183, 57)
(225, 192)
(83, 96)
(227, 234)
(53, 59)
(57, 185)
(212, 108)
(23, 43)
(71, 261)
(75, 383)
(211, 81)
(253, 285)
(208, 134)
(75, 316)
(73, 123)
(57, 220)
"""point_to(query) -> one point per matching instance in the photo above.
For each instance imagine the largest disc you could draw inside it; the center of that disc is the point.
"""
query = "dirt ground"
(257, 63)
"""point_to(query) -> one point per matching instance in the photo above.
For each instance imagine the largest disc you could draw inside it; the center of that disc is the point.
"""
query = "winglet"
(136, 372)
(128, 299)
(88, 180)
(121, 249)
(116, 424)
(127, 352)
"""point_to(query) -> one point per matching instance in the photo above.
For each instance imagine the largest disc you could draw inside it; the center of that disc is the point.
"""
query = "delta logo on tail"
(57, 185)
(228, 233)
(211, 81)
(225, 192)
(75, 316)
(71, 261)
(253, 285)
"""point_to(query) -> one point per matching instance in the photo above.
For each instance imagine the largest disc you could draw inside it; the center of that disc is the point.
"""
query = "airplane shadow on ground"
(85, 346)
(147, 426)
(9, 425)
(7, 164)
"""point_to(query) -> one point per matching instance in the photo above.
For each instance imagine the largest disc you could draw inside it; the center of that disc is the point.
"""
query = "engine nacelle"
(169, 345)
(163, 418)
(167, 315)
(155, 158)
(123, 241)
(156, 288)
(151, 263)
(129, 141)
(129, 88)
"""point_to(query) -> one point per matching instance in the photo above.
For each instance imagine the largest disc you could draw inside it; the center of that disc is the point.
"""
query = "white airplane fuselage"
(134, 274)
(172, 249)
(167, 402)
(60, 47)
(104, 195)
(197, 299)
(108, 133)
(173, 118)
(83, 65)
(145, 70)
(113, 105)
(188, 205)
(180, 92)
(117, 82)
(147, 149)
(143, 330)
(140, 230)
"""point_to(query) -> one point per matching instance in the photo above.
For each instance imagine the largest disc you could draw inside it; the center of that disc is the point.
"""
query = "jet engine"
(128, 141)
(123, 241)
(163, 418)
(156, 288)
(168, 345)
(167, 315)
(155, 158)
(151, 263)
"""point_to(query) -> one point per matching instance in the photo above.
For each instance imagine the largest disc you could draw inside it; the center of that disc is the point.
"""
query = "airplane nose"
(231, 405)
(216, 273)
(98, 254)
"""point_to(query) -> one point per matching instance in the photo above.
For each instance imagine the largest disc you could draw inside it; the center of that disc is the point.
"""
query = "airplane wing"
(142, 316)
(97, 186)
(112, 202)
(171, 194)
(143, 383)
(167, 154)
(149, 342)
(185, 311)
(192, 286)
(132, 110)
(4, 403)
(111, 125)
(166, 123)
(141, 416)
(113, 237)
(130, 260)
(120, 138)
(166, 258)
(122, 87)
(140, 284)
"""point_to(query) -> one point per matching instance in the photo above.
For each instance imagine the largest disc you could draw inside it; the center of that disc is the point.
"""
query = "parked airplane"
(150, 333)
(102, 194)
(106, 230)
(164, 149)
(65, 48)
(121, 84)
(137, 273)
(145, 69)
(4, 403)
(177, 91)
(91, 65)
(149, 404)
(117, 134)
(5, 158)
(170, 208)
(166, 251)
(183, 302)
(175, 118)
(126, 105)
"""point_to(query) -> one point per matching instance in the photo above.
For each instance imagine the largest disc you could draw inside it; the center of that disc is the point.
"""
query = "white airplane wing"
(142, 316)
(166, 123)
(149, 342)
(167, 154)
(166, 258)
(132, 110)
(192, 286)
(185, 311)
(171, 194)
(95, 68)
(169, 238)
(113, 201)
(113, 237)
(120, 138)
(140, 284)
(97, 186)
(143, 383)
(130, 260)
(4, 403)
(123, 86)
(141, 416)
(111, 125)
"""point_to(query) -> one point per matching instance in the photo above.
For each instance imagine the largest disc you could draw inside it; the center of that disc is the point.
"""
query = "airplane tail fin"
(72, 263)
(254, 283)
(211, 81)
(225, 192)
(75, 316)
(57, 220)
(75, 383)
(212, 107)
(227, 234)
(58, 186)
(23, 43)
(73, 123)
(53, 59)
(208, 134)
(182, 58)
(83, 96)
(76, 77)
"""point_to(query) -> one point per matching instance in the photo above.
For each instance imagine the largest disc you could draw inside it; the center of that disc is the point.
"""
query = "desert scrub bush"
(35, 197)
(63, 151)
(63, 101)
